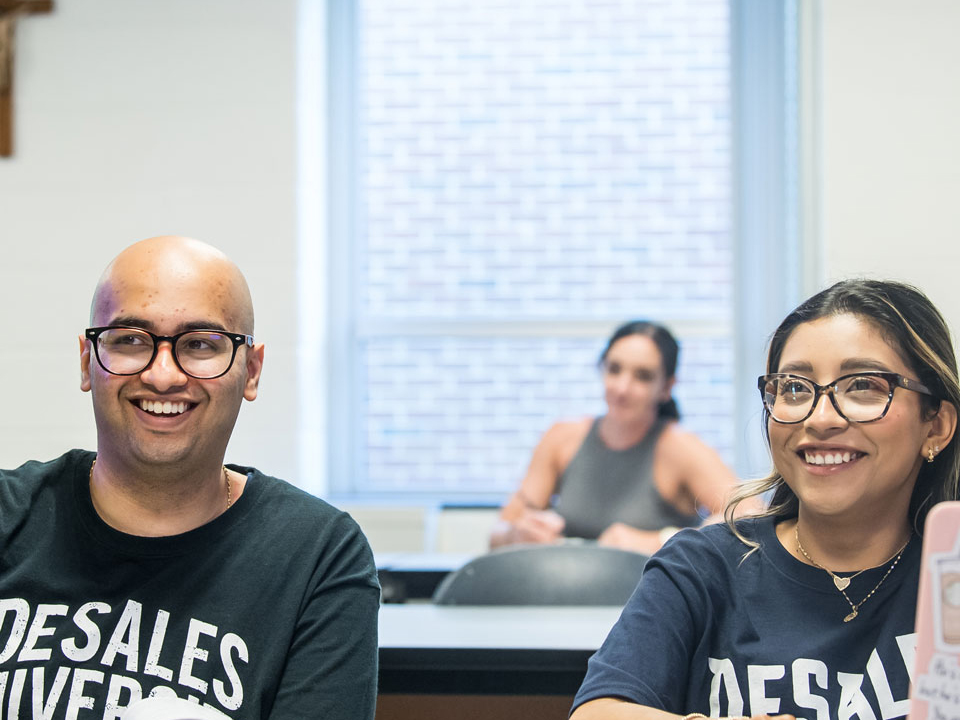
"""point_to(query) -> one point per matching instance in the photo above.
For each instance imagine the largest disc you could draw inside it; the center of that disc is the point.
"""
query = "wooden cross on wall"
(10, 10)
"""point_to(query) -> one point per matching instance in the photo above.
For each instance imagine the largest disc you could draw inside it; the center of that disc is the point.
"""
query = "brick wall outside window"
(526, 164)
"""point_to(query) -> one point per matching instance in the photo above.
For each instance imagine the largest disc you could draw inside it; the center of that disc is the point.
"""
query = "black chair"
(563, 574)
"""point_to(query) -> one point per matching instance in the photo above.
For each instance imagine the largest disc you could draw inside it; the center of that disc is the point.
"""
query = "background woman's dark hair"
(669, 352)
(907, 320)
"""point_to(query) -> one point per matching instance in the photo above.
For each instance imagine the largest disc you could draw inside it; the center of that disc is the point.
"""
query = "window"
(513, 180)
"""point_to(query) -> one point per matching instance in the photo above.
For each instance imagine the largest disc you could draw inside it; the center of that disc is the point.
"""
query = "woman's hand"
(527, 525)
(622, 536)
(537, 526)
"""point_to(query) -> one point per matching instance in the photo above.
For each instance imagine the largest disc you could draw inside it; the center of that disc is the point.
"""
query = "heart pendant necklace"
(843, 582)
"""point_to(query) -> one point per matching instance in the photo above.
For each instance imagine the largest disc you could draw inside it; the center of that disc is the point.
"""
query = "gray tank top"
(602, 486)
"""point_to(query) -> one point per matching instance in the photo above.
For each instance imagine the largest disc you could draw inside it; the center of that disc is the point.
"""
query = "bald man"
(150, 568)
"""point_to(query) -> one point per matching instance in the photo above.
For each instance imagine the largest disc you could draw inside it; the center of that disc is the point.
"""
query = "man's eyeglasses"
(201, 354)
(860, 397)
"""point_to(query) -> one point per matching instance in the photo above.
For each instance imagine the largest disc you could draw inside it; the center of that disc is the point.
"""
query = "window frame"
(774, 141)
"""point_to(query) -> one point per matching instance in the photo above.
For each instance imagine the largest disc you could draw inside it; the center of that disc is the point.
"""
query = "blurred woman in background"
(630, 478)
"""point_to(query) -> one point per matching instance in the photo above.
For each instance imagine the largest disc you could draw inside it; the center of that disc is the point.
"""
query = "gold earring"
(930, 454)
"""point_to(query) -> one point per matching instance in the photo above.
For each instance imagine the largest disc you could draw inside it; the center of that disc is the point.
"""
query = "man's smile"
(165, 407)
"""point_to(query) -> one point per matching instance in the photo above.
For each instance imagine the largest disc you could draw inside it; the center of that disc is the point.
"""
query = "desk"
(480, 662)
(414, 576)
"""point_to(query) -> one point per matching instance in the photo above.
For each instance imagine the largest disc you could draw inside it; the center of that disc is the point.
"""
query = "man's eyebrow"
(130, 321)
(138, 322)
(201, 325)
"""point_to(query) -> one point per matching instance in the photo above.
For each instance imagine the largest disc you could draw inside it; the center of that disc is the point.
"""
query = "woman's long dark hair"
(669, 353)
(907, 320)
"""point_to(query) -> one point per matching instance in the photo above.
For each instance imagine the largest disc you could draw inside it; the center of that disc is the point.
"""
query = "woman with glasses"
(806, 609)
(630, 478)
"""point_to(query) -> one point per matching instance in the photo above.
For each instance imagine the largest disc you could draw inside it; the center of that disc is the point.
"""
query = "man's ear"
(254, 367)
(86, 348)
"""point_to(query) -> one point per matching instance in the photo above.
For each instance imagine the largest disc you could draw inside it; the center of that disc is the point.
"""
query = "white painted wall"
(889, 171)
(136, 118)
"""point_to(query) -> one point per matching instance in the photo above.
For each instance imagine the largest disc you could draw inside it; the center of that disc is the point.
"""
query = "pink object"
(935, 689)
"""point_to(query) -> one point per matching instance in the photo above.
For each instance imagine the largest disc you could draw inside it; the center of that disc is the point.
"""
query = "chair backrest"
(564, 574)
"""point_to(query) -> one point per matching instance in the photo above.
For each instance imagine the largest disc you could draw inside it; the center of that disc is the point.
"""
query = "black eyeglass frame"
(895, 380)
(238, 339)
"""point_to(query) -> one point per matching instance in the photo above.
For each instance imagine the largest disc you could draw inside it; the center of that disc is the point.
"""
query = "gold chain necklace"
(226, 479)
(839, 581)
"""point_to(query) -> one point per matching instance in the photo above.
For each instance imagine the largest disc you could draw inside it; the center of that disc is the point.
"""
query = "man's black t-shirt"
(267, 611)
